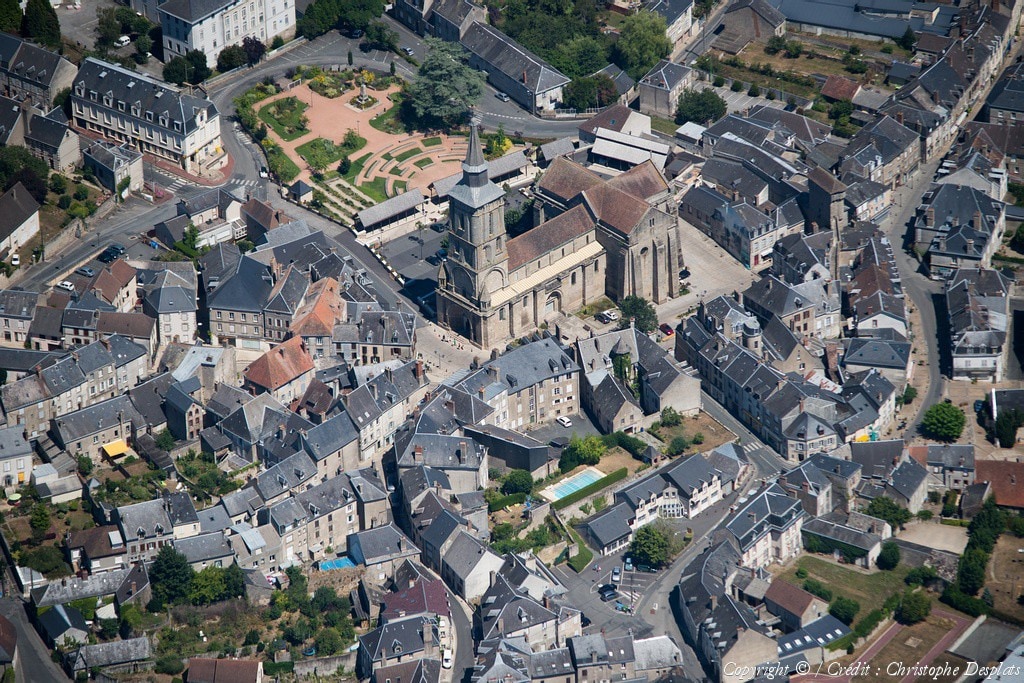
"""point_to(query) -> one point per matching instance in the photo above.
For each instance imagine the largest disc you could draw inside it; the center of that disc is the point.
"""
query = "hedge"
(274, 668)
(814, 543)
(967, 604)
(505, 501)
(604, 482)
(862, 629)
(954, 522)
(582, 558)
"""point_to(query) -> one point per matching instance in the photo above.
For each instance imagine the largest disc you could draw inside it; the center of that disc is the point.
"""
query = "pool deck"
(548, 493)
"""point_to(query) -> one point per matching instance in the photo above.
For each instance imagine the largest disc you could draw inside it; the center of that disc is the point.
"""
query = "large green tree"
(231, 57)
(944, 422)
(581, 451)
(380, 37)
(517, 481)
(650, 546)
(580, 93)
(886, 509)
(324, 15)
(446, 86)
(642, 42)
(170, 577)
(700, 106)
(971, 571)
(10, 16)
(889, 557)
(580, 56)
(639, 310)
(207, 586)
(254, 49)
(844, 609)
(41, 24)
(914, 607)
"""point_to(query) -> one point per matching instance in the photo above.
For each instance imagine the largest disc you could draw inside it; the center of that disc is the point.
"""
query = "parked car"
(66, 286)
(16, 260)
(502, 96)
(584, 620)
(564, 421)
(602, 318)
(86, 271)
(616, 575)
(107, 256)
(117, 248)
(606, 588)
(644, 568)
(666, 329)
(264, 173)
(559, 442)
(979, 405)
(608, 596)
(122, 41)
(612, 315)
(446, 659)
(408, 50)
(356, 33)
(628, 564)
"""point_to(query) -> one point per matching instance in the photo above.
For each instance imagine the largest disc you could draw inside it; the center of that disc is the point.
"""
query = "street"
(36, 665)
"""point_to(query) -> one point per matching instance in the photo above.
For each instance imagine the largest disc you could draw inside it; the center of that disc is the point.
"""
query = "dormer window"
(149, 116)
(141, 532)
(120, 106)
(177, 126)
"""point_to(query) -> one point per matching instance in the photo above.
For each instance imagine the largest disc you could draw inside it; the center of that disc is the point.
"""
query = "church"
(592, 237)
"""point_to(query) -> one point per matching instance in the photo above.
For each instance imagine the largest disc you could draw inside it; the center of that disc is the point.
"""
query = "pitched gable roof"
(281, 365)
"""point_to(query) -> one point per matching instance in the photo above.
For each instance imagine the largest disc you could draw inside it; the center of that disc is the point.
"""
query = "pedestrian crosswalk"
(750, 446)
(252, 182)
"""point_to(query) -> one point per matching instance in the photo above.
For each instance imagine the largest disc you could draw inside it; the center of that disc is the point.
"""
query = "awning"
(115, 448)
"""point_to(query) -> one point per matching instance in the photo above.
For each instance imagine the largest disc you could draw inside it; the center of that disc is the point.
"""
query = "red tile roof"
(280, 365)
(548, 235)
(204, 670)
(423, 597)
(839, 88)
(643, 180)
(1006, 478)
(615, 208)
(323, 309)
(789, 597)
(565, 179)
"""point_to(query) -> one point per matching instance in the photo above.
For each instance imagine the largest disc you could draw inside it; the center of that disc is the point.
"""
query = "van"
(122, 41)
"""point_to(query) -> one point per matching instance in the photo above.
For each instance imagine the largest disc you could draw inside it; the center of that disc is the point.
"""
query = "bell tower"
(477, 264)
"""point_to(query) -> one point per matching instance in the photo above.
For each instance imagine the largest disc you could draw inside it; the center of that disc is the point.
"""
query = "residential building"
(21, 225)
(51, 139)
(794, 606)
(97, 550)
(767, 528)
(145, 527)
(91, 430)
(115, 166)
(15, 458)
(32, 74)
(662, 86)
(155, 118)
(207, 670)
(209, 28)
(284, 372)
(467, 565)
(380, 405)
(978, 304)
(748, 20)
(17, 309)
(849, 536)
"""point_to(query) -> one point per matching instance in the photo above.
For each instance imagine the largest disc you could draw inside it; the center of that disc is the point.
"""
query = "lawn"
(375, 189)
(430, 142)
(869, 589)
(282, 164)
(423, 163)
(1005, 571)
(356, 168)
(408, 154)
(666, 126)
(389, 121)
(333, 151)
(286, 117)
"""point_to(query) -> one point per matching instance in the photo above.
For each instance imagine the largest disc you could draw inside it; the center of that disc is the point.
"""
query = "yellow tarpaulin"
(115, 448)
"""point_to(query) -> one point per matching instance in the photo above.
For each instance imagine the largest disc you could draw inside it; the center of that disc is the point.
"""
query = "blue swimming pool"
(574, 484)
(336, 563)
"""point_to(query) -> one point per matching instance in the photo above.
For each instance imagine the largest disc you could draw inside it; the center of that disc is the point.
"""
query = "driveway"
(581, 426)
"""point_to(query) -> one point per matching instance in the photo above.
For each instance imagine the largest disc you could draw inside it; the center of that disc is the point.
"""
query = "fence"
(325, 666)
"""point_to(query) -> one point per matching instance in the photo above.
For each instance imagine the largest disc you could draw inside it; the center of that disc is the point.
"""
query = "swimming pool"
(336, 563)
(572, 484)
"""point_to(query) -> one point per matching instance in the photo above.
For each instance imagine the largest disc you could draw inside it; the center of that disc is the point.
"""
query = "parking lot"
(581, 426)
(606, 617)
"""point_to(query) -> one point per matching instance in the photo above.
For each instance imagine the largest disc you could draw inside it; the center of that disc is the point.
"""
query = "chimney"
(417, 454)
(805, 486)
(899, 117)
(977, 223)
(929, 215)
(418, 371)
(714, 602)
(783, 481)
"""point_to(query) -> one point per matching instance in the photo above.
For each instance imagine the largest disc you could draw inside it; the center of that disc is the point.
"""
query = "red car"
(666, 329)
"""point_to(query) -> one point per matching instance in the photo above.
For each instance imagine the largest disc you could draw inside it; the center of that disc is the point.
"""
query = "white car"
(612, 315)
(446, 659)
(16, 260)
(564, 421)
(66, 286)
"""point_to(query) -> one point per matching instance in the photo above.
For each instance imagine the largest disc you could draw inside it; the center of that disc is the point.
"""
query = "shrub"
(915, 607)
(754, 91)
(920, 575)
(844, 609)
(678, 445)
(889, 557)
(736, 86)
(815, 587)
(503, 502)
(277, 42)
(170, 665)
(801, 573)
(718, 82)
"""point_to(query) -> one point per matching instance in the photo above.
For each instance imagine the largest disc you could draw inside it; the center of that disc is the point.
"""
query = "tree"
(650, 546)
(446, 85)
(143, 46)
(85, 465)
(944, 422)
(914, 607)
(277, 42)
(970, 572)
(580, 93)
(640, 311)
(885, 508)
(231, 57)
(794, 48)
(844, 609)
(345, 165)
(41, 24)
(517, 481)
(35, 185)
(318, 160)
(889, 557)
(700, 106)
(380, 37)
(607, 93)
(165, 440)
(642, 42)
(908, 39)
(171, 578)
(176, 71)
(328, 642)
(39, 520)
(108, 26)
(200, 70)
(254, 49)
(582, 55)
(670, 417)
(10, 16)
(678, 445)
(207, 586)
(1008, 422)
(581, 451)
(775, 45)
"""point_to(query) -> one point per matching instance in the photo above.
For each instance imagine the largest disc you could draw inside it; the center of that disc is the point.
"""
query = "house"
(749, 20)
(206, 550)
(91, 430)
(885, 151)
(374, 337)
(397, 642)
(625, 86)
(118, 168)
(512, 69)
(952, 464)
(15, 458)
(962, 213)
(381, 549)
(599, 657)
(850, 537)
(260, 218)
(63, 626)
(51, 139)
(731, 463)
(977, 301)
(467, 566)
(890, 356)
(794, 606)
(120, 655)
(21, 222)
(662, 86)
(209, 28)
(1006, 479)
(300, 192)
(170, 298)
(808, 309)
(145, 527)
(381, 404)
(767, 528)
(124, 106)
(32, 74)
(96, 550)
(422, 596)
(509, 612)
(719, 627)
(610, 363)
(206, 670)
(417, 670)
(284, 372)
(9, 644)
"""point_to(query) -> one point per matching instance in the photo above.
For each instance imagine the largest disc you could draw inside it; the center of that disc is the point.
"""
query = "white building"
(21, 219)
(212, 26)
(153, 117)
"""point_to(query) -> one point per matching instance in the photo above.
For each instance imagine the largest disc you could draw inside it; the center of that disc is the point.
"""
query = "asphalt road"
(36, 665)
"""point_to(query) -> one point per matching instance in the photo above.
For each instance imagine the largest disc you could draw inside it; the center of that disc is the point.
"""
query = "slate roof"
(878, 353)
(770, 509)
(17, 206)
(666, 75)
(110, 654)
(150, 95)
(401, 637)
(818, 633)
(75, 426)
(383, 543)
(144, 520)
(512, 59)
(465, 553)
(425, 596)
(60, 619)
(205, 547)
(520, 368)
(610, 525)
(877, 458)
(28, 61)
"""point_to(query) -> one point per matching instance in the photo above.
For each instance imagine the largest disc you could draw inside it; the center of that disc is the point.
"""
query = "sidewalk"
(215, 179)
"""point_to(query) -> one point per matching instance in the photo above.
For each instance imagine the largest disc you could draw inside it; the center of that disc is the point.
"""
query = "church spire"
(474, 168)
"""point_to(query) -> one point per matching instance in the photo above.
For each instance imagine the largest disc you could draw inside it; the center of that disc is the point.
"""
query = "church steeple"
(474, 168)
